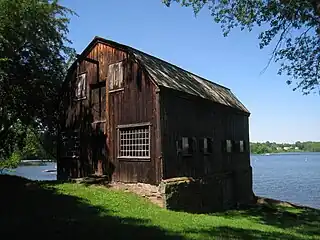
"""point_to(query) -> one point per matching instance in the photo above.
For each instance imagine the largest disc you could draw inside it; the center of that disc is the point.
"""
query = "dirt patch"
(147, 191)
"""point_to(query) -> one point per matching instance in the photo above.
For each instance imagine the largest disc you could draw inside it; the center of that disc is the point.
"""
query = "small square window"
(185, 145)
(229, 146)
(241, 146)
(205, 145)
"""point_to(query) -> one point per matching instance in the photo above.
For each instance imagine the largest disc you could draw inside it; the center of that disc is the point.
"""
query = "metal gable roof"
(170, 76)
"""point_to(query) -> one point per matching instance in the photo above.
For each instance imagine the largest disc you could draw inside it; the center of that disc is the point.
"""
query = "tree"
(293, 25)
(32, 148)
(11, 162)
(34, 51)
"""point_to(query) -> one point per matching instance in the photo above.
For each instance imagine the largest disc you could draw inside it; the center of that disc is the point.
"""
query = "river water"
(293, 177)
(36, 172)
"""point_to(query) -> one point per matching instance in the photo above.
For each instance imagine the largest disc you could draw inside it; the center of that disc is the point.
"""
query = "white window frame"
(132, 127)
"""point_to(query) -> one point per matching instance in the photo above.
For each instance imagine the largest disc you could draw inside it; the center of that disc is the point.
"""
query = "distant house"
(141, 119)
(287, 148)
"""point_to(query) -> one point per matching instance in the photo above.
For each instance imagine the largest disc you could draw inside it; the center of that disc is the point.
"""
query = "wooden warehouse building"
(141, 119)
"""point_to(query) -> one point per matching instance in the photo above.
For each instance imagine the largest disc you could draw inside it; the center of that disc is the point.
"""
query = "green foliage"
(293, 25)
(267, 147)
(32, 145)
(34, 52)
(309, 146)
(12, 162)
(27, 144)
(38, 145)
(14, 140)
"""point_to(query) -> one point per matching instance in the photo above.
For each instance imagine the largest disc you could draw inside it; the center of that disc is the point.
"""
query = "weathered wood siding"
(136, 103)
(134, 100)
(82, 114)
(186, 116)
(105, 55)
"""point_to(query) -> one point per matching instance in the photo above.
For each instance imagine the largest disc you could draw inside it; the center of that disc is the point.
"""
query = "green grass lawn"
(74, 211)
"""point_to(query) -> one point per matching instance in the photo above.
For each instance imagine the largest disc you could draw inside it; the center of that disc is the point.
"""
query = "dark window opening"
(241, 146)
(228, 146)
(98, 104)
(186, 146)
(206, 145)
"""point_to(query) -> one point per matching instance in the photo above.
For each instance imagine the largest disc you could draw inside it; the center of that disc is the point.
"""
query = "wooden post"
(107, 131)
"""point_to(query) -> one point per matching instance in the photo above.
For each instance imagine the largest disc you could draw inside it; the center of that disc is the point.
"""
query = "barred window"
(134, 141)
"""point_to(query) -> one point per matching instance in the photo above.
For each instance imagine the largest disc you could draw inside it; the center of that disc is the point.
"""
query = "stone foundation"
(210, 194)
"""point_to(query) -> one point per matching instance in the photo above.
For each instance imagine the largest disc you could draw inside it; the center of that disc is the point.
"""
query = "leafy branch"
(293, 24)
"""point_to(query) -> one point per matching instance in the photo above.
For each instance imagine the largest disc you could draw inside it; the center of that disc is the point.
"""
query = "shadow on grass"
(284, 215)
(29, 210)
(247, 234)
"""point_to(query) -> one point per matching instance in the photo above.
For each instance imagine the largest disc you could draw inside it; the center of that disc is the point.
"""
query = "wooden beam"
(97, 85)
(80, 58)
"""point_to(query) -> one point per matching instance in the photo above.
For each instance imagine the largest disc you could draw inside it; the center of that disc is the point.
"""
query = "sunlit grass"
(199, 226)
(87, 212)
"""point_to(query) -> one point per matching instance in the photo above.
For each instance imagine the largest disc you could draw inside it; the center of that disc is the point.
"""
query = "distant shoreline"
(35, 162)
(285, 153)
(273, 147)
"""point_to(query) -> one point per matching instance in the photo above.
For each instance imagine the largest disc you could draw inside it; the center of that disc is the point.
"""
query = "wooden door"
(98, 112)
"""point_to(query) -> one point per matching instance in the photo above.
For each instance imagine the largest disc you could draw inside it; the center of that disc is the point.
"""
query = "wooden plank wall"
(78, 114)
(135, 104)
(105, 55)
(188, 116)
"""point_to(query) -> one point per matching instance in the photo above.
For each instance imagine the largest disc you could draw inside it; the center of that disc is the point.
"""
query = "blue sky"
(197, 44)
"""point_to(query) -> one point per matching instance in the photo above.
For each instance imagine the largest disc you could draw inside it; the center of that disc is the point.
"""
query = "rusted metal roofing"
(170, 76)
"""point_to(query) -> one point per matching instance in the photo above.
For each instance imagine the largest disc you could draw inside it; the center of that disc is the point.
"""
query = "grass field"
(73, 211)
